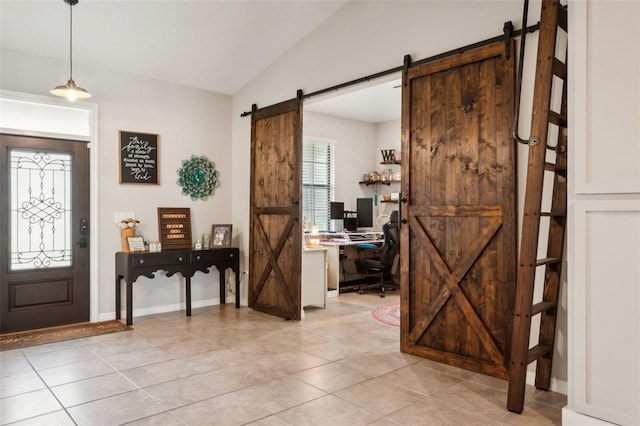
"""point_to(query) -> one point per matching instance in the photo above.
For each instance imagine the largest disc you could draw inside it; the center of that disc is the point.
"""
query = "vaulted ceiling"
(215, 45)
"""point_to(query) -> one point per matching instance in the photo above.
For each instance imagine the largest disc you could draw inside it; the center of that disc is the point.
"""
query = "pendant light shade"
(70, 90)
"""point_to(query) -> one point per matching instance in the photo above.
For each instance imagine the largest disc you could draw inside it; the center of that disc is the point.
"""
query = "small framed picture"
(221, 235)
(136, 243)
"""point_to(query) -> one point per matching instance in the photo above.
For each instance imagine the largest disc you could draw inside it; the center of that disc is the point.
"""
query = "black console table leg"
(188, 290)
(129, 303)
(223, 291)
(118, 295)
(237, 274)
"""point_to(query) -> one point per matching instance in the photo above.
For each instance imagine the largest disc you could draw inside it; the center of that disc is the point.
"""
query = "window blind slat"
(318, 181)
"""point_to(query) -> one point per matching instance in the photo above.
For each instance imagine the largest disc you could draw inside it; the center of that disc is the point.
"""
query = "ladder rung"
(555, 168)
(547, 261)
(553, 214)
(538, 351)
(557, 119)
(559, 68)
(542, 307)
(562, 17)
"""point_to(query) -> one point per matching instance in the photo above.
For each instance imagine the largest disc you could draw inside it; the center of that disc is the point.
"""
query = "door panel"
(44, 261)
(275, 252)
(458, 245)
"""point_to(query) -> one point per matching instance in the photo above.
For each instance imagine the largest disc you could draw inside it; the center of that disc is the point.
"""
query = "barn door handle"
(402, 221)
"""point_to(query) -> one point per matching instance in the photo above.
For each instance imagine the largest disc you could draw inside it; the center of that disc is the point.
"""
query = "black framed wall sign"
(138, 157)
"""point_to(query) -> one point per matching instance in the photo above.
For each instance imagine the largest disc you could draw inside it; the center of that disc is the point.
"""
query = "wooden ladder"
(553, 17)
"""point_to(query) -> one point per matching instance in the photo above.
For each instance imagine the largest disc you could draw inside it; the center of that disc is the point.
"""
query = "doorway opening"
(363, 121)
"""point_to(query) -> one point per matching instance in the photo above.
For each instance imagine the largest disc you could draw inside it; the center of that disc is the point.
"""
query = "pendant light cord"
(71, 40)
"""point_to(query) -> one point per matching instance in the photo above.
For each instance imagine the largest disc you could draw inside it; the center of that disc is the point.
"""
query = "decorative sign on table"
(174, 227)
(138, 157)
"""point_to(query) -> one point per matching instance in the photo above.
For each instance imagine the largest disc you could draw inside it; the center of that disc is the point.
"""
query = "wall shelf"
(375, 182)
(390, 162)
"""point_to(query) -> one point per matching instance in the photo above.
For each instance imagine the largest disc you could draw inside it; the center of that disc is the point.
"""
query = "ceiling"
(375, 103)
(215, 45)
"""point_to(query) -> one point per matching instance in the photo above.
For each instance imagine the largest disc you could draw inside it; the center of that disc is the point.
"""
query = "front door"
(44, 249)
(275, 242)
(458, 246)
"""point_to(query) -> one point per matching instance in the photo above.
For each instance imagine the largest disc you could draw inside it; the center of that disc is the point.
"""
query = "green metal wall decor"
(197, 177)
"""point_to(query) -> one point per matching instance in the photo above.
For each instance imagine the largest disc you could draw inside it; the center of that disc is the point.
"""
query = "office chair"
(383, 262)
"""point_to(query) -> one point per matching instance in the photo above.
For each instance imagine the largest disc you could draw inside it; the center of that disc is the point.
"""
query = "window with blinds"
(318, 181)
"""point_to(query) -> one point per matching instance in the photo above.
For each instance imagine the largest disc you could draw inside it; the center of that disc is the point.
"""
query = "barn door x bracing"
(458, 240)
(275, 246)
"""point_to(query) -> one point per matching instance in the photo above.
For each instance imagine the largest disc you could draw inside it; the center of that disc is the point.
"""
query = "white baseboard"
(572, 418)
(556, 385)
(140, 312)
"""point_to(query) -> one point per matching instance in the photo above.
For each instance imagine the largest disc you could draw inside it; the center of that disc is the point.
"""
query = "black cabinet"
(130, 266)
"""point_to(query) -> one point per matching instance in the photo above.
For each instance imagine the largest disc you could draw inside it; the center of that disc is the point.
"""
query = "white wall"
(386, 31)
(189, 121)
(388, 137)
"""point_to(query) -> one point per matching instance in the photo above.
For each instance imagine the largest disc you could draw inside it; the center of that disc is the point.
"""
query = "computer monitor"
(364, 212)
(337, 210)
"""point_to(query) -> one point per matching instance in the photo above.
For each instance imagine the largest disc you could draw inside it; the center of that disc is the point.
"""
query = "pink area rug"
(389, 315)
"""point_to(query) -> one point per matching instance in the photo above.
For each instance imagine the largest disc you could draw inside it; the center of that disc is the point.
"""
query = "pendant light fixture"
(70, 90)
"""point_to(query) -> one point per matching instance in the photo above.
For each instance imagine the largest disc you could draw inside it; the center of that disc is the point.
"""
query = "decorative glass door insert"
(40, 210)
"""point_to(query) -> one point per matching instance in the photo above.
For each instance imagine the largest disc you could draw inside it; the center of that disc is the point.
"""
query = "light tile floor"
(227, 366)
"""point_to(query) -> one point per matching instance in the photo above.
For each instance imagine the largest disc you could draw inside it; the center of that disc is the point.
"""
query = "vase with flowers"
(127, 229)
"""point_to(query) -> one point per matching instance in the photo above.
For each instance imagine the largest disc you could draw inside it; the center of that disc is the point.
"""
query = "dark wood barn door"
(275, 246)
(44, 248)
(458, 244)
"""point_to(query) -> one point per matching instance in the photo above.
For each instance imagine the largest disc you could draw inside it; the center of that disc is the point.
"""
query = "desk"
(314, 277)
(341, 256)
(130, 266)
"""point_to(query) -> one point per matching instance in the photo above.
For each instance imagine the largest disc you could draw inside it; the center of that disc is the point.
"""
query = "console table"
(130, 266)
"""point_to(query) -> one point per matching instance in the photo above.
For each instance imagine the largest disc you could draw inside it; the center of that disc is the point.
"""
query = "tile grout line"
(50, 391)
(166, 410)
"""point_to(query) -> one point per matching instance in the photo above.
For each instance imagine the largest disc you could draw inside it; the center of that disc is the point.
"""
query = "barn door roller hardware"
(533, 140)
(508, 34)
